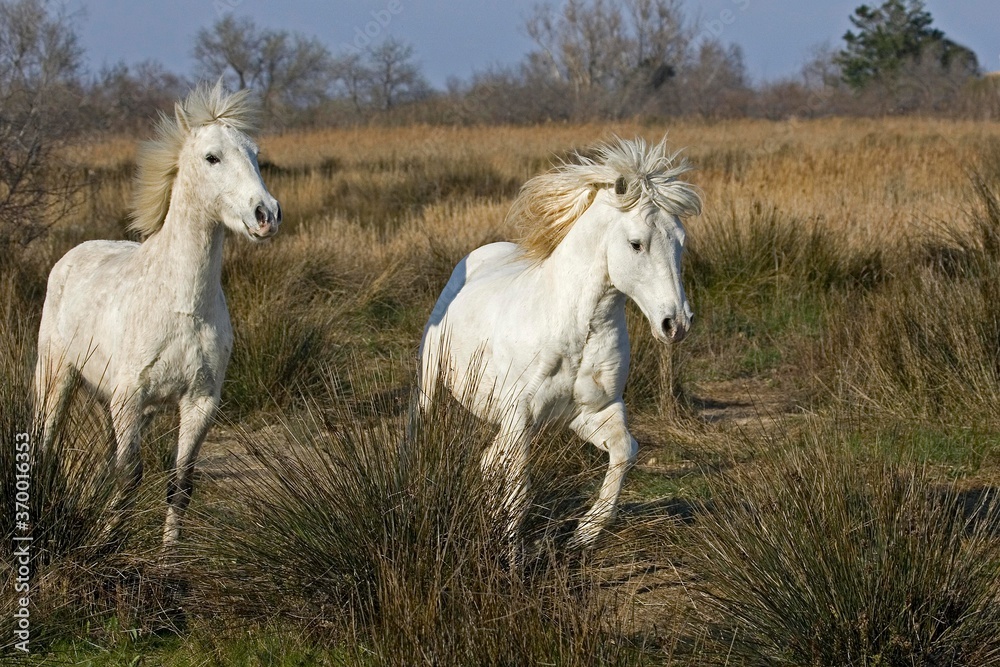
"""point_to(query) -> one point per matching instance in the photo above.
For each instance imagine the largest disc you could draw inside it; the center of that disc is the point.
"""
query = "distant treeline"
(592, 60)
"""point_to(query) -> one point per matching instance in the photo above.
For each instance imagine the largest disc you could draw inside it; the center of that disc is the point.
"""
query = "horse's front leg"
(53, 390)
(196, 416)
(606, 430)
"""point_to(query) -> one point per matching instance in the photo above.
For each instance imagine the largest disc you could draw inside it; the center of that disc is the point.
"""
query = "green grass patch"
(646, 484)
(960, 451)
(205, 645)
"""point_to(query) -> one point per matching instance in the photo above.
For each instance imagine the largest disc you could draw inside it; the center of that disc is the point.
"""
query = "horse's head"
(223, 162)
(644, 247)
(635, 190)
(205, 148)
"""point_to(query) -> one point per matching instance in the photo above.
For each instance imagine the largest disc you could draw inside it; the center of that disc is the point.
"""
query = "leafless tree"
(354, 78)
(610, 56)
(125, 98)
(715, 82)
(660, 39)
(583, 44)
(287, 70)
(39, 95)
(230, 48)
(380, 77)
(395, 77)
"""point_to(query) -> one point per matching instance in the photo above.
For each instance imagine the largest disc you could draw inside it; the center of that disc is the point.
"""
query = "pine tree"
(892, 35)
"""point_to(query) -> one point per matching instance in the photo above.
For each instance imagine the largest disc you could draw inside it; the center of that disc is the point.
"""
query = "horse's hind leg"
(53, 390)
(505, 469)
(606, 430)
(127, 419)
(195, 419)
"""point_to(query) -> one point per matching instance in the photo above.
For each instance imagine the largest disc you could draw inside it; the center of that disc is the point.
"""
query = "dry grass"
(397, 197)
(875, 178)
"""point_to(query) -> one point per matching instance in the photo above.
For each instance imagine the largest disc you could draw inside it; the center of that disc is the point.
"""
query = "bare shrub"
(39, 63)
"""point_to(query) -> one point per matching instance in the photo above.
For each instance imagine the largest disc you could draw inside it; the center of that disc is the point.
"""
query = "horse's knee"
(625, 451)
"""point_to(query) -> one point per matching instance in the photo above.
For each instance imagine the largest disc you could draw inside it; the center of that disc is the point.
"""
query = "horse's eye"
(636, 245)
(212, 159)
(620, 186)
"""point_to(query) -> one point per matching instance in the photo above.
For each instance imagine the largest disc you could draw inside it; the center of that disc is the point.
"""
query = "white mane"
(550, 203)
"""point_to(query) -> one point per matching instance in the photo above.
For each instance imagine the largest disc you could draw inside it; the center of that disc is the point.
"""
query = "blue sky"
(458, 38)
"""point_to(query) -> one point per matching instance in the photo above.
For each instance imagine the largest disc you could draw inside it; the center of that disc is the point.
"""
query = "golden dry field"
(874, 181)
(863, 170)
(818, 460)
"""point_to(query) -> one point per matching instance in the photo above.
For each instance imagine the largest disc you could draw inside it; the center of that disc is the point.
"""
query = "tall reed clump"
(764, 286)
(928, 344)
(385, 543)
(822, 557)
(282, 315)
(332, 297)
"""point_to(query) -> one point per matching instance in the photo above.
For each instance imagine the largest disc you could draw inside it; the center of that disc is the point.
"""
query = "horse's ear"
(181, 116)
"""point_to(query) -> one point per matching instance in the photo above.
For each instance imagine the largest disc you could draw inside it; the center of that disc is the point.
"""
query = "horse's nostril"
(278, 215)
(260, 214)
(668, 326)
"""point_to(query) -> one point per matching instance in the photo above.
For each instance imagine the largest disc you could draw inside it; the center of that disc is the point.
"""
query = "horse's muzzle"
(267, 222)
(675, 329)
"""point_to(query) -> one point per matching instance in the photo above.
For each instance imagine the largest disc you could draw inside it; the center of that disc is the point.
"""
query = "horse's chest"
(552, 397)
(191, 360)
(590, 377)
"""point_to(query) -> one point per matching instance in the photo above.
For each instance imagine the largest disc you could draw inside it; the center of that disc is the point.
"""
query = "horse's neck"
(578, 274)
(186, 255)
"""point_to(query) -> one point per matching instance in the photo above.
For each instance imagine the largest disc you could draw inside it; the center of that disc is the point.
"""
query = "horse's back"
(80, 286)
(472, 267)
(454, 305)
(91, 258)
(492, 256)
(87, 273)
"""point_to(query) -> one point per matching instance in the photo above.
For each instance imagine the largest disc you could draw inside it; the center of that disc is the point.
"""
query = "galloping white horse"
(144, 325)
(535, 331)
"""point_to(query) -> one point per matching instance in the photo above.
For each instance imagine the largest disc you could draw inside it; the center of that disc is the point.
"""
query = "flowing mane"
(550, 203)
(157, 158)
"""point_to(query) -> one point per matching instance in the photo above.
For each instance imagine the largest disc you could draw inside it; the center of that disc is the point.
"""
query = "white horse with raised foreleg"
(535, 331)
(143, 325)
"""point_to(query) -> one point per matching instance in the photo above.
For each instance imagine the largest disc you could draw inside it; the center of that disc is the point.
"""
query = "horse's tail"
(429, 367)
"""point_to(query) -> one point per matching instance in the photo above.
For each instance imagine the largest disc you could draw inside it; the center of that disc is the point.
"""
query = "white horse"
(143, 325)
(535, 331)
